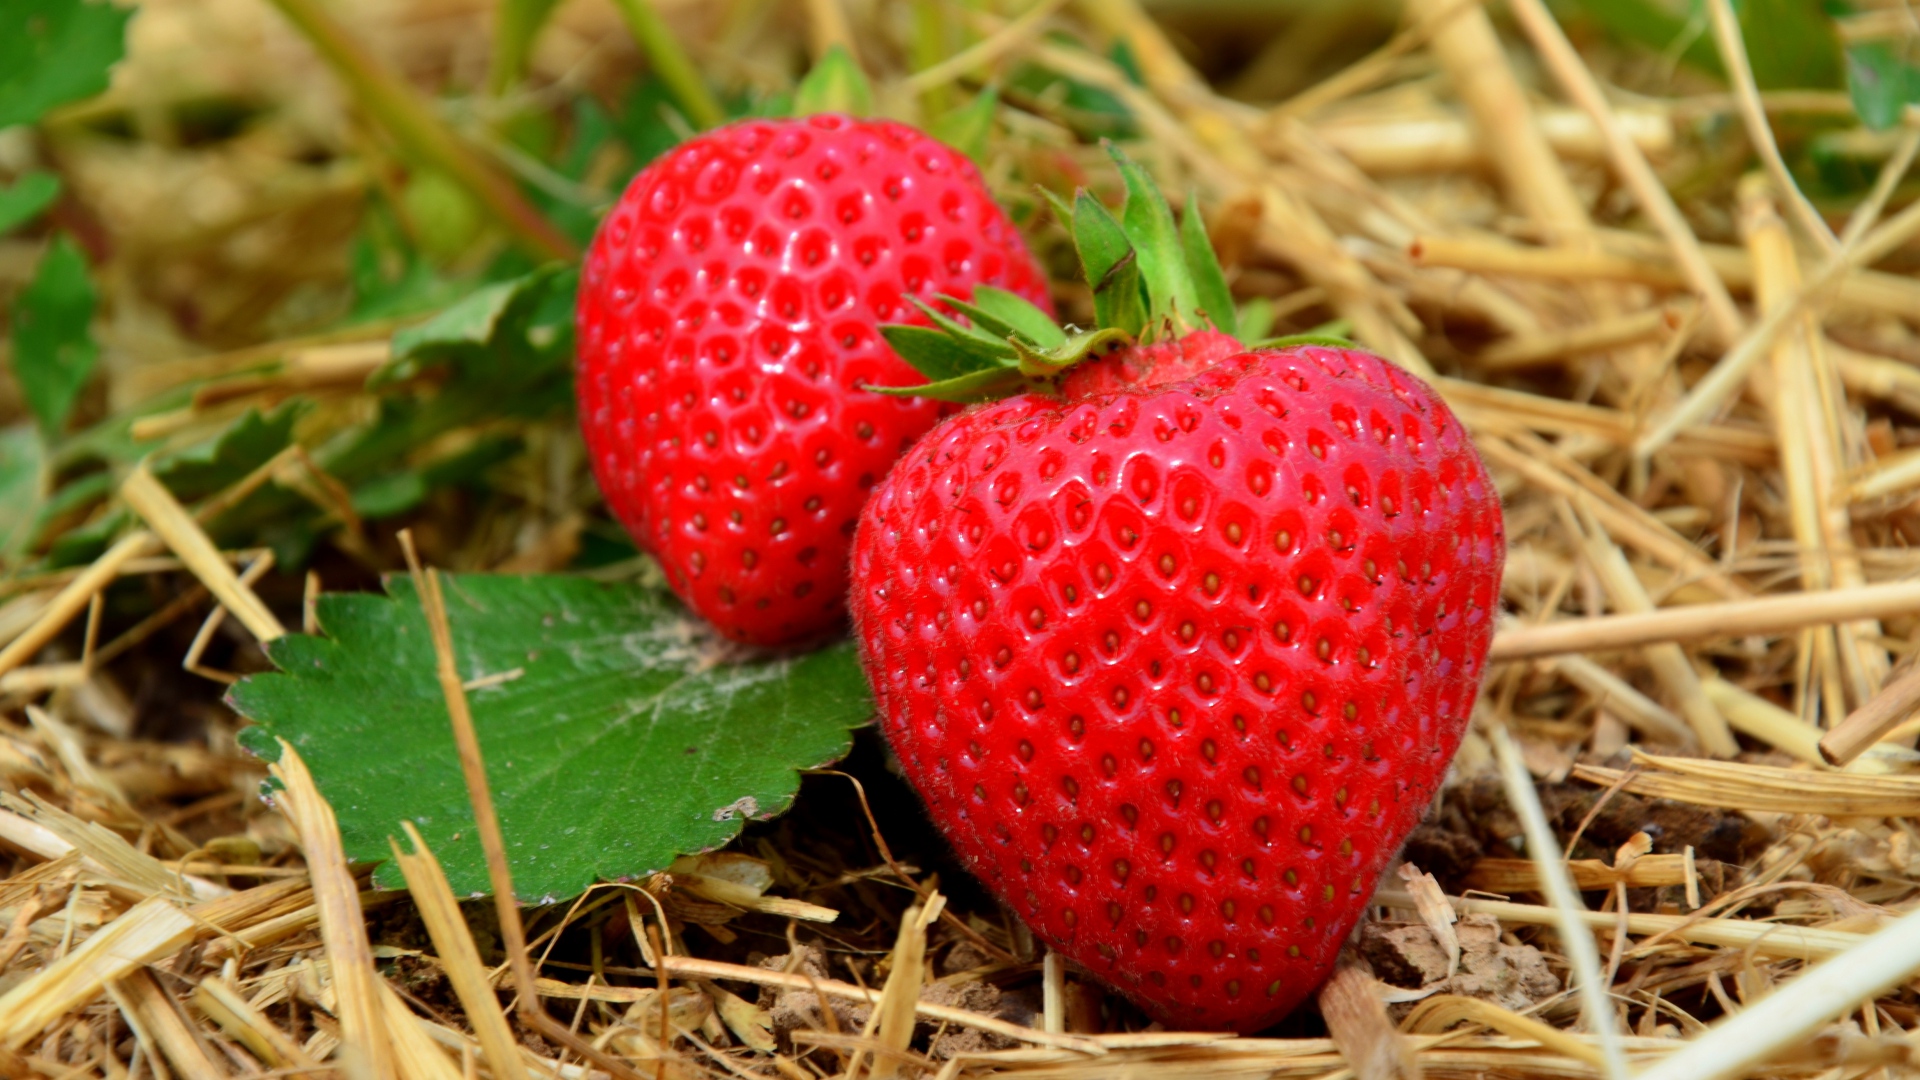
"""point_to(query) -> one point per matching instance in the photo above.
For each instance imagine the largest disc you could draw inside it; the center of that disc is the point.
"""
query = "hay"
(1696, 386)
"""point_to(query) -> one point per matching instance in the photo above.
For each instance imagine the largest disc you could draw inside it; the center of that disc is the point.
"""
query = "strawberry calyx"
(1153, 280)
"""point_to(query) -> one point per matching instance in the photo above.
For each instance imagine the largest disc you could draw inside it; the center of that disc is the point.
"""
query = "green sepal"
(978, 335)
(1163, 264)
(1255, 319)
(966, 128)
(941, 355)
(1111, 264)
(1046, 363)
(1004, 315)
(1062, 209)
(1209, 281)
(962, 389)
(1291, 340)
(837, 85)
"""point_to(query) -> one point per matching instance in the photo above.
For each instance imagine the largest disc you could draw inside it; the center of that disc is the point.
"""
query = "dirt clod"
(1514, 977)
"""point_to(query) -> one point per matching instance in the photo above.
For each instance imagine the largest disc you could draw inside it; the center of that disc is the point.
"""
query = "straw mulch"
(1696, 389)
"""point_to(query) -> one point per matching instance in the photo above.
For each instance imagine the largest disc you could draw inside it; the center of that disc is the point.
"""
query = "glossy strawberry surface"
(727, 322)
(1177, 659)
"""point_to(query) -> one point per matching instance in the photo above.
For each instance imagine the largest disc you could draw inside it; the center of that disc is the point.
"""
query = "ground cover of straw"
(1696, 389)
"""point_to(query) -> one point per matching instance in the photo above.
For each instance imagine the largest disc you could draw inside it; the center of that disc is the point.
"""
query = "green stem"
(406, 116)
(671, 63)
(928, 48)
(516, 25)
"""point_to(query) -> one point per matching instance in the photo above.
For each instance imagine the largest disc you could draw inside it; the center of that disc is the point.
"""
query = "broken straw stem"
(1739, 618)
(1793, 1013)
(1865, 725)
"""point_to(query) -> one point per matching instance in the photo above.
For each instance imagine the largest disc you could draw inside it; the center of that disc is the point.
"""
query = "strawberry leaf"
(988, 343)
(1163, 263)
(1008, 314)
(835, 85)
(1111, 264)
(1210, 282)
(53, 348)
(26, 198)
(22, 463)
(1042, 363)
(616, 733)
(55, 51)
(941, 355)
(967, 127)
(502, 333)
(1331, 341)
(963, 389)
(204, 468)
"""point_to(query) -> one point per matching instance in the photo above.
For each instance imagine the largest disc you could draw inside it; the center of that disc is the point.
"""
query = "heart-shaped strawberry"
(1178, 645)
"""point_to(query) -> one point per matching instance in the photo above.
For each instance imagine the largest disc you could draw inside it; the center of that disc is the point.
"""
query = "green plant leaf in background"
(22, 457)
(1209, 281)
(200, 470)
(1882, 81)
(1790, 43)
(516, 26)
(966, 128)
(55, 51)
(836, 84)
(491, 333)
(52, 351)
(25, 199)
(613, 742)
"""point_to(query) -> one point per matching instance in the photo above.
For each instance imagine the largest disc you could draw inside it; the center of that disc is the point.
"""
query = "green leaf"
(1041, 363)
(963, 389)
(497, 332)
(516, 26)
(1163, 265)
(612, 739)
(1111, 265)
(1882, 82)
(1684, 34)
(52, 351)
(22, 463)
(940, 355)
(397, 492)
(77, 547)
(1792, 44)
(837, 85)
(1256, 319)
(55, 51)
(966, 128)
(29, 195)
(389, 275)
(1331, 341)
(994, 345)
(1093, 112)
(1209, 281)
(645, 123)
(1005, 315)
(245, 445)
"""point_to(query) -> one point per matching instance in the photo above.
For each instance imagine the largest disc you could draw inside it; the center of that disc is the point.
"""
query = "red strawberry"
(1178, 648)
(727, 326)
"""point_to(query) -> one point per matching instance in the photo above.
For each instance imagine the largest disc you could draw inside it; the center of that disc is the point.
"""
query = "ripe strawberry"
(727, 322)
(1178, 646)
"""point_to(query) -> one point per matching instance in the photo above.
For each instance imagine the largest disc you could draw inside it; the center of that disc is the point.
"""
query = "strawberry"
(1177, 645)
(727, 320)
